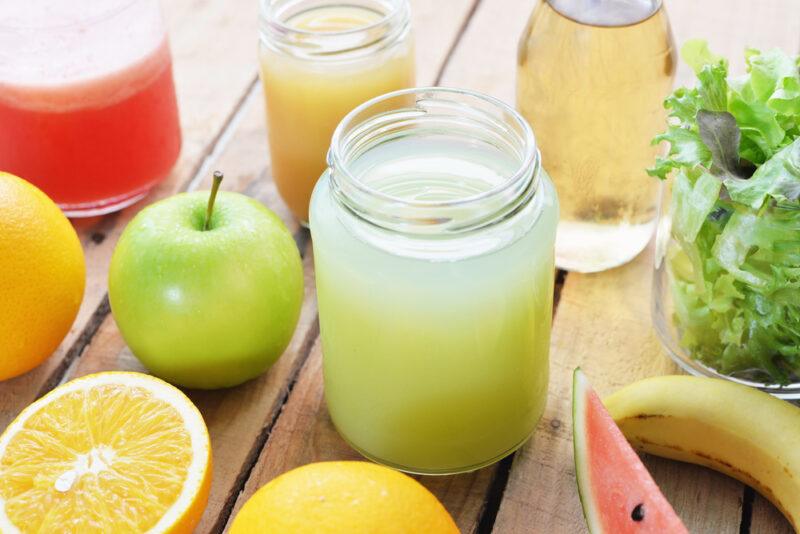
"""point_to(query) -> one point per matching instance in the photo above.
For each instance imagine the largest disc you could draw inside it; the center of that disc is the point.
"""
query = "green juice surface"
(434, 366)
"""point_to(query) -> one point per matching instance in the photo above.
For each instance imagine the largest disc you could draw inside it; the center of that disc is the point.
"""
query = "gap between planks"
(454, 45)
(748, 496)
(497, 488)
(252, 457)
(220, 142)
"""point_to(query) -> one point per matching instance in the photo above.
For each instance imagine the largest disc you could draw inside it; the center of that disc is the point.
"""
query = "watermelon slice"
(617, 492)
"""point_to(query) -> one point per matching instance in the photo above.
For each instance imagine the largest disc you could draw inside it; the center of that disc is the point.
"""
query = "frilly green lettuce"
(734, 159)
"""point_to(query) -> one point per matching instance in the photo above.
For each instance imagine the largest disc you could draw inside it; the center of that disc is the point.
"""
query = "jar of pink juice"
(87, 101)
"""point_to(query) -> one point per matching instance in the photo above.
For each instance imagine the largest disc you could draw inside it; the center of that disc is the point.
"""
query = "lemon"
(107, 453)
(43, 276)
(343, 497)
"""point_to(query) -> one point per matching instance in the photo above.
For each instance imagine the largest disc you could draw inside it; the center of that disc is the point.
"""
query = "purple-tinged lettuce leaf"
(720, 133)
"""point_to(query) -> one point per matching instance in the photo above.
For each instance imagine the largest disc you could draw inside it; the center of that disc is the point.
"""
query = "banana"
(737, 430)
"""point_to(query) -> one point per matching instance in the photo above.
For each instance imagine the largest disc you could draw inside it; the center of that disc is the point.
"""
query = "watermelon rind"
(580, 387)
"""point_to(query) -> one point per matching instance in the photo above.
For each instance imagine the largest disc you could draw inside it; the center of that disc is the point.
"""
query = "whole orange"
(42, 276)
(343, 498)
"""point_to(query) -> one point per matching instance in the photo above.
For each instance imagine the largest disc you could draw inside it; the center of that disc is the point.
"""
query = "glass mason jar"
(592, 76)
(726, 297)
(320, 59)
(433, 232)
(87, 102)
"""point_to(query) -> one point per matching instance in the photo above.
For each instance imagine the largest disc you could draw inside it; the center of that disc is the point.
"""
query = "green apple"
(206, 295)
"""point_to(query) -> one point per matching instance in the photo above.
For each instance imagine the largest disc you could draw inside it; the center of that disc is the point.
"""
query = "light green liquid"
(434, 366)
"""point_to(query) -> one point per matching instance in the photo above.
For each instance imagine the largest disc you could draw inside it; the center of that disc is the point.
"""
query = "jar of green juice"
(433, 233)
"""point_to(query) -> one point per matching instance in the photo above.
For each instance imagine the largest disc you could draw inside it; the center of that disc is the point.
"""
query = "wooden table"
(279, 421)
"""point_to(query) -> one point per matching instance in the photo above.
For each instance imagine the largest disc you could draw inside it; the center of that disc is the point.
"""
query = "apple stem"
(214, 188)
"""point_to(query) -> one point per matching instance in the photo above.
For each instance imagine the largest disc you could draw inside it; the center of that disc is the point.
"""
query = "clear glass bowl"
(670, 333)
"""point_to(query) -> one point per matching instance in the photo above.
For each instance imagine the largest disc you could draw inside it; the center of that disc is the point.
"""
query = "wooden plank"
(486, 58)
(240, 419)
(603, 325)
(212, 45)
(766, 519)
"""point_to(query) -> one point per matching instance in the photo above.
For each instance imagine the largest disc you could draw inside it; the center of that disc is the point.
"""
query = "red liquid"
(97, 145)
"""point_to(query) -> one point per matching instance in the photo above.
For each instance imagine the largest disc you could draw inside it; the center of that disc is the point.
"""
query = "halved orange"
(111, 452)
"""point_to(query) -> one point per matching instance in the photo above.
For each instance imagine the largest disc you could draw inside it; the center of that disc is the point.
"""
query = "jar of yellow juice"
(433, 232)
(320, 59)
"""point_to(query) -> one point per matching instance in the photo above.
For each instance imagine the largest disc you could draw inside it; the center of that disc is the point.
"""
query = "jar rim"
(275, 27)
(267, 9)
(529, 160)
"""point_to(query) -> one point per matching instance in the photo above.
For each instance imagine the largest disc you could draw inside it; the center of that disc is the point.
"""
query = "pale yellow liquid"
(593, 95)
(306, 98)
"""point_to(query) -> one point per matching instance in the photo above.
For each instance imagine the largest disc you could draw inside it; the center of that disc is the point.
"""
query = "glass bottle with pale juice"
(591, 78)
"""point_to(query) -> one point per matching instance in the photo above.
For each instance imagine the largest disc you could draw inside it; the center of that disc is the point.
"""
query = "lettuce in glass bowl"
(727, 284)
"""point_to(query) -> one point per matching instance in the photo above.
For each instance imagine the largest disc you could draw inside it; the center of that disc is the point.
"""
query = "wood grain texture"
(603, 325)
(766, 519)
(486, 57)
(213, 50)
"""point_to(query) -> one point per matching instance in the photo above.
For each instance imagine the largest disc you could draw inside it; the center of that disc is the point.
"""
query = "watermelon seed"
(638, 512)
